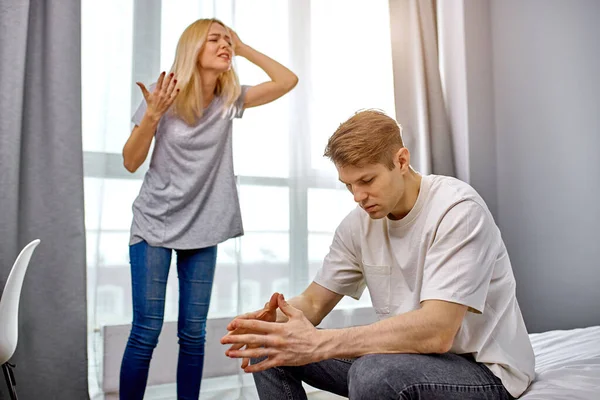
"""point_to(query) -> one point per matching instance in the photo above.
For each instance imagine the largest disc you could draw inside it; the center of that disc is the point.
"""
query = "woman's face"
(217, 52)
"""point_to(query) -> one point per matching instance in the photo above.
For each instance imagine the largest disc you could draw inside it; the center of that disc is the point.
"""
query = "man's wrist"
(327, 346)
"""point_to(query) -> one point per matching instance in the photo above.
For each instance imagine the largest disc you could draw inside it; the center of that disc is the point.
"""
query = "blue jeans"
(149, 272)
(386, 376)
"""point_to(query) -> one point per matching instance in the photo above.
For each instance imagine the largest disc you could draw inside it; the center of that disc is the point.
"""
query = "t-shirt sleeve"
(460, 262)
(341, 271)
(239, 103)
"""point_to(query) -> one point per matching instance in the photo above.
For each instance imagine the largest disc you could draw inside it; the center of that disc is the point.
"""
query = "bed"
(567, 365)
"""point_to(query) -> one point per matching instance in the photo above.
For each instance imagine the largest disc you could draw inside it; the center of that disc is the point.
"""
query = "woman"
(188, 201)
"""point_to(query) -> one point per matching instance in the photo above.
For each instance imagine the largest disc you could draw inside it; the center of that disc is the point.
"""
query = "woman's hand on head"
(236, 42)
(162, 97)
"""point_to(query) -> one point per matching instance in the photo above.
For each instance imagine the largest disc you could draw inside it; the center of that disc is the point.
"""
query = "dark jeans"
(149, 272)
(386, 376)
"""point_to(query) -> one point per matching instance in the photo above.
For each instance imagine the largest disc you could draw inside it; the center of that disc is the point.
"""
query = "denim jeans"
(386, 376)
(149, 272)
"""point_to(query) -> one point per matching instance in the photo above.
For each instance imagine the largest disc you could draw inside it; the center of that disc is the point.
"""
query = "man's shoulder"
(446, 191)
(449, 185)
(452, 201)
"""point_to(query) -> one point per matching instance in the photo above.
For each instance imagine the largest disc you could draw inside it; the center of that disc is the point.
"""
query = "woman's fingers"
(173, 95)
(172, 84)
(145, 92)
(167, 83)
(172, 90)
(161, 78)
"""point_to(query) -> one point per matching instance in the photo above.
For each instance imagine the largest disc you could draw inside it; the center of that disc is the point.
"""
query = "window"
(290, 197)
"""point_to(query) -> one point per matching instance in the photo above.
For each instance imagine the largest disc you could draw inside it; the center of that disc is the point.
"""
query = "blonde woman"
(188, 201)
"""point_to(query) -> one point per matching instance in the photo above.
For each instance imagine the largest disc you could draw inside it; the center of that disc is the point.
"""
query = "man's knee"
(370, 376)
(264, 380)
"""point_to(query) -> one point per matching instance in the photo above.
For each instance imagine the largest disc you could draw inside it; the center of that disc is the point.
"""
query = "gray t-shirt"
(189, 198)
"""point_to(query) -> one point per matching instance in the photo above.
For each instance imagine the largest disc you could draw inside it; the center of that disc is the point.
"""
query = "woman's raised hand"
(162, 97)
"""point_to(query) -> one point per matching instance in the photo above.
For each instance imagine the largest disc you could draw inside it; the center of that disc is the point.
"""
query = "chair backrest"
(9, 303)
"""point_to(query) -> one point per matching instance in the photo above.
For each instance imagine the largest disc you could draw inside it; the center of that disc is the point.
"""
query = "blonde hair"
(368, 137)
(189, 102)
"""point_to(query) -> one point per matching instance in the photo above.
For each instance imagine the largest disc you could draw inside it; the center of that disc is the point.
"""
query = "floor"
(212, 389)
(169, 393)
(226, 388)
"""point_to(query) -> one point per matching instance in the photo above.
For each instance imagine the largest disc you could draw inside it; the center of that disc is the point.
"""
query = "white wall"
(546, 68)
(523, 82)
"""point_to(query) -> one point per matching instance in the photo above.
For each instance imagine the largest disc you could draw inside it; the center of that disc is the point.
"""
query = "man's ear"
(402, 159)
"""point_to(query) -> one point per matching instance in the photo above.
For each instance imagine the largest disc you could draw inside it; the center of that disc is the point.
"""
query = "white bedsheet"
(567, 365)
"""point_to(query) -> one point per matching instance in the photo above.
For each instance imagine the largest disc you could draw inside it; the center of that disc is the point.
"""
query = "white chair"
(9, 314)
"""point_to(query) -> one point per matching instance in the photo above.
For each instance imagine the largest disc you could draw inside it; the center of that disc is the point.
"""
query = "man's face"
(376, 189)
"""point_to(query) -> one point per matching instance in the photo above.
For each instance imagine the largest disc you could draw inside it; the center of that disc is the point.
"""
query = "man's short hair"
(368, 137)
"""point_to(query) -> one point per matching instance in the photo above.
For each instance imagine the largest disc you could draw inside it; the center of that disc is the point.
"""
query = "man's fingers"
(235, 332)
(245, 362)
(250, 315)
(263, 315)
(236, 346)
(262, 366)
(249, 339)
(255, 325)
(254, 352)
(260, 314)
(272, 304)
(287, 308)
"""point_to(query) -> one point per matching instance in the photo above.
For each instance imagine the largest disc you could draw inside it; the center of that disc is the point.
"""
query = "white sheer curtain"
(290, 197)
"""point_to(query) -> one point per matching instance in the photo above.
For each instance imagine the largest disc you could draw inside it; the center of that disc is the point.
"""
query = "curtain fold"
(41, 195)
(419, 98)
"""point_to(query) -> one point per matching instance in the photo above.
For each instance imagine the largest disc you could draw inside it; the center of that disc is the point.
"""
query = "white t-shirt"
(448, 248)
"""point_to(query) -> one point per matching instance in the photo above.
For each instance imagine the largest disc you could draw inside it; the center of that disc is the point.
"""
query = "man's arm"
(430, 329)
(457, 273)
(315, 303)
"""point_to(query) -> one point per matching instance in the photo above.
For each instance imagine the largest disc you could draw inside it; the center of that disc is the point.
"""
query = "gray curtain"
(420, 107)
(41, 192)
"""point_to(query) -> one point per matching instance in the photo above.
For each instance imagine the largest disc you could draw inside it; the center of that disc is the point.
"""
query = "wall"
(546, 63)
(526, 111)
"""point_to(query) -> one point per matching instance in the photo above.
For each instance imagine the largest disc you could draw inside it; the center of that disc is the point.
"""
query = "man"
(439, 277)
